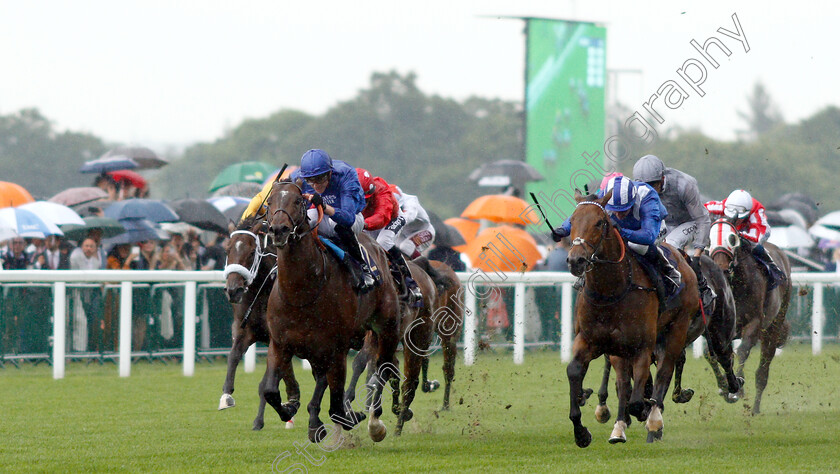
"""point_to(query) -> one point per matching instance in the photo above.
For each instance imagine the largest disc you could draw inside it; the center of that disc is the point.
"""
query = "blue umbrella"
(137, 230)
(155, 211)
(108, 163)
(27, 224)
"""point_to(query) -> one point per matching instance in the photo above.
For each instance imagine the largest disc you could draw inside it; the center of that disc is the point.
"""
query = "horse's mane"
(590, 197)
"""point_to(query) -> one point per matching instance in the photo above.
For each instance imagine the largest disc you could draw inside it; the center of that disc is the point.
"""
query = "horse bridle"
(294, 234)
(249, 274)
(593, 257)
(732, 254)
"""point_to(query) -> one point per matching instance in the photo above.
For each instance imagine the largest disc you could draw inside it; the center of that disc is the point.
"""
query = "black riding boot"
(670, 276)
(776, 273)
(365, 281)
(408, 282)
(707, 294)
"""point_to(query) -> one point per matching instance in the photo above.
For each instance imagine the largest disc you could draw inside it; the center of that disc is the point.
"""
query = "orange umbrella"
(12, 194)
(503, 248)
(465, 227)
(502, 209)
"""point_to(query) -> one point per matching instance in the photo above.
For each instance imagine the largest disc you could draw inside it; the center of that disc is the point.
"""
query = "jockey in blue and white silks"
(640, 216)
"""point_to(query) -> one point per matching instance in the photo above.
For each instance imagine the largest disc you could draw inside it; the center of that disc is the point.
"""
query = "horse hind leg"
(762, 373)
(359, 364)
(637, 406)
(412, 368)
(450, 352)
(680, 395)
(602, 411)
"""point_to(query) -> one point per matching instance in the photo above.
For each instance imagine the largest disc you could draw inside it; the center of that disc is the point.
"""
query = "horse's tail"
(443, 282)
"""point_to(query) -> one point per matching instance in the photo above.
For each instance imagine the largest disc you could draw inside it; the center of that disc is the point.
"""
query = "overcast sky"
(177, 72)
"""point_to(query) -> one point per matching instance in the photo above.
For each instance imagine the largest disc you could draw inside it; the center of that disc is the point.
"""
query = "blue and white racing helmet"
(623, 194)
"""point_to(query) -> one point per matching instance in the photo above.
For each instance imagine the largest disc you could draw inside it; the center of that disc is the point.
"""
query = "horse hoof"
(654, 436)
(602, 414)
(226, 401)
(289, 410)
(408, 415)
(433, 385)
(317, 433)
(258, 425)
(587, 392)
(582, 436)
(290, 424)
(618, 433)
(684, 396)
(377, 431)
(445, 406)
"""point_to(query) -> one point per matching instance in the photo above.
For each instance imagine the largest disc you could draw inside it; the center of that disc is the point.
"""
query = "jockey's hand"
(558, 234)
(624, 233)
(316, 200)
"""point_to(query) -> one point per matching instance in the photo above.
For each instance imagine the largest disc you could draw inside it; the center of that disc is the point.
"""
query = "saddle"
(666, 302)
(340, 253)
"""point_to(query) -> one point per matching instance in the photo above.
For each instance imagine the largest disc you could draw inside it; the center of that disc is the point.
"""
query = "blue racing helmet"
(314, 163)
(623, 196)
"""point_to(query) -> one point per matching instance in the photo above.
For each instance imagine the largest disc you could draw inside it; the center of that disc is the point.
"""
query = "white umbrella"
(790, 237)
(56, 213)
(27, 224)
(822, 232)
(6, 231)
(830, 220)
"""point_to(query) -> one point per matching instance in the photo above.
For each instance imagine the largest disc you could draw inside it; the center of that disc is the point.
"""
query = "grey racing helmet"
(648, 168)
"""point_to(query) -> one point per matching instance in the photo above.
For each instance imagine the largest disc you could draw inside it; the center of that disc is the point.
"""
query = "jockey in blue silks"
(335, 185)
(640, 216)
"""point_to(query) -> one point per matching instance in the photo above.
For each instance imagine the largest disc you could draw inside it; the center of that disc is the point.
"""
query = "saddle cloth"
(340, 253)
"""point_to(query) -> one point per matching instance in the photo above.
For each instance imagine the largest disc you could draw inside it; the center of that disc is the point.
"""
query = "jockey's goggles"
(321, 178)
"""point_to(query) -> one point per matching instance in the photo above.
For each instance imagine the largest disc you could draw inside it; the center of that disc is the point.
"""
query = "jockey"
(638, 213)
(380, 211)
(748, 216)
(687, 220)
(334, 185)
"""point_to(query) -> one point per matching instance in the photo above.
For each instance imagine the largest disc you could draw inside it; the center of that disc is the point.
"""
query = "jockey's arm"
(651, 222)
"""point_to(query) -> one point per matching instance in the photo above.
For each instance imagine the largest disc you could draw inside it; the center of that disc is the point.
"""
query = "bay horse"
(248, 282)
(618, 314)
(718, 328)
(416, 330)
(761, 313)
(314, 313)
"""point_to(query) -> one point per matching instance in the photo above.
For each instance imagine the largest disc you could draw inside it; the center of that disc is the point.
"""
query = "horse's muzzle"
(235, 294)
(281, 234)
(577, 265)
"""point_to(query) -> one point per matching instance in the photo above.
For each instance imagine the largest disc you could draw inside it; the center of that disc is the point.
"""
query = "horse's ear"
(231, 226)
(604, 200)
(579, 196)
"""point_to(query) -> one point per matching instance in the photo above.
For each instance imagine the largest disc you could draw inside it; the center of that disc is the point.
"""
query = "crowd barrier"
(136, 299)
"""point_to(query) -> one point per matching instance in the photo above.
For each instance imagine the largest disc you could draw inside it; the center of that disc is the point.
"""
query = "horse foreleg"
(720, 352)
(450, 352)
(240, 344)
(749, 336)
(412, 367)
(602, 412)
(340, 411)
(270, 386)
(317, 432)
(259, 421)
(385, 369)
(622, 390)
(674, 348)
(576, 371)
(679, 395)
(637, 406)
(769, 343)
(359, 364)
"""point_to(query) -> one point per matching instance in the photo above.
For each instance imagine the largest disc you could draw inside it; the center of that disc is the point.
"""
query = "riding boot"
(416, 297)
(670, 276)
(707, 294)
(776, 274)
(365, 281)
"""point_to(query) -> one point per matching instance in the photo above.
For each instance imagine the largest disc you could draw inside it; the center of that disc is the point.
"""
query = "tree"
(762, 114)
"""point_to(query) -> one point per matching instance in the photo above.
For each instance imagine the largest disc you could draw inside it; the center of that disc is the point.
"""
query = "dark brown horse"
(448, 319)
(718, 328)
(761, 313)
(248, 282)
(314, 313)
(618, 314)
(416, 331)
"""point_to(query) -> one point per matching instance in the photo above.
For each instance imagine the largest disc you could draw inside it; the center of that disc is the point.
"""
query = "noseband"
(593, 258)
(295, 234)
(249, 273)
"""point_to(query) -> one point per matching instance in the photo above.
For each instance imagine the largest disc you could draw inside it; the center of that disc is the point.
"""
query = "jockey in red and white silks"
(754, 228)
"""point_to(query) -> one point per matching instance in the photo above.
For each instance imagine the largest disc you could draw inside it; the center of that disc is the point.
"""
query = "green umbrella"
(245, 172)
(110, 228)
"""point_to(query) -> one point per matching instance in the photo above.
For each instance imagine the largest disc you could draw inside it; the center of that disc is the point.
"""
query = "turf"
(504, 418)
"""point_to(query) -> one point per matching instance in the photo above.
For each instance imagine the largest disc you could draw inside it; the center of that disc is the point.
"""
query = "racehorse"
(619, 315)
(718, 328)
(315, 314)
(448, 322)
(761, 313)
(416, 330)
(248, 281)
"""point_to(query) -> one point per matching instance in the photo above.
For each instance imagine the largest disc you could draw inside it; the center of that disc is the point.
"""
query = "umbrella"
(503, 248)
(76, 196)
(12, 194)
(245, 172)
(467, 228)
(105, 164)
(156, 211)
(506, 173)
(286, 174)
(223, 203)
(6, 231)
(26, 224)
(501, 208)
(128, 176)
(51, 212)
(790, 237)
(144, 157)
(822, 232)
(200, 213)
(109, 227)
(445, 234)
(830, 220)
(136, 230)
(239, 189)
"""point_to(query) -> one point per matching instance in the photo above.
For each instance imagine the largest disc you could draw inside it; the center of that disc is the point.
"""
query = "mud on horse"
(618, 315)
(760, 312)
(248, 281)
(314, 313)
